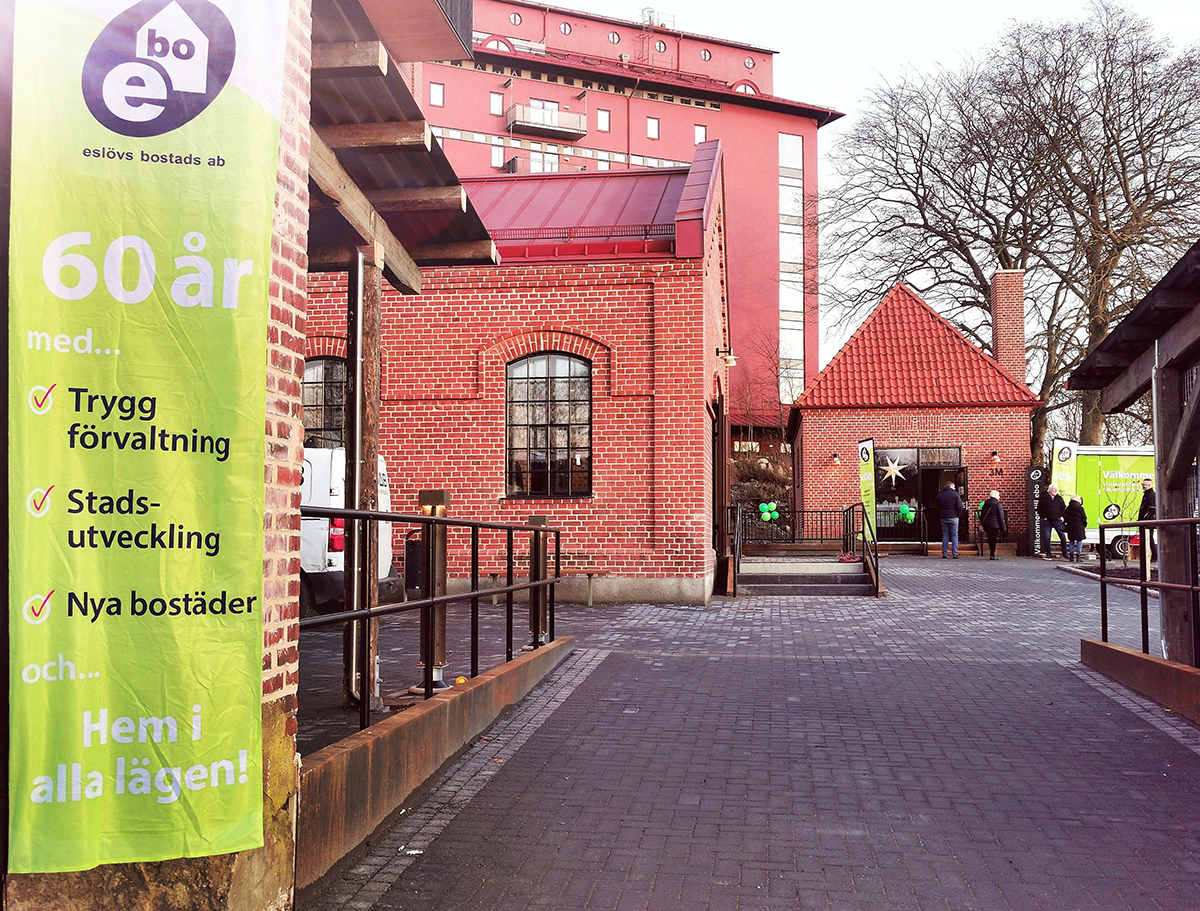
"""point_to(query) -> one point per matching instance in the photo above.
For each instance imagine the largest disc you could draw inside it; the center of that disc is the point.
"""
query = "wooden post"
(363, 373)
(1174, 558)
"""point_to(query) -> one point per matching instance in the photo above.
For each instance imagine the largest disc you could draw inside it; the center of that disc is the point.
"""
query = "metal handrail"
(870, 543)
(737, 543)
(1143, 583)
(364, 615)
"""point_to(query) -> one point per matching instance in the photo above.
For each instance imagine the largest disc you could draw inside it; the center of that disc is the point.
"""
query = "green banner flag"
(866, 478)
(1064, 473)
(144, 154)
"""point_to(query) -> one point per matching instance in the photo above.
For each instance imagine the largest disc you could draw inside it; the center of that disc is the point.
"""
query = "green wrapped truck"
(1109, 479)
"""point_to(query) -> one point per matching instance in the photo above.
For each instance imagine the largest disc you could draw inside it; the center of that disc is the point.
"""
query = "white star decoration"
(893, 470)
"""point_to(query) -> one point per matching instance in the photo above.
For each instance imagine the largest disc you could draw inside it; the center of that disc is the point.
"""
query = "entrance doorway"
(932, 482)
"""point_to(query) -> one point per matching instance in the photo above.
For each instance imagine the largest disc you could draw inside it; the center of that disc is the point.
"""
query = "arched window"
(745, 87)
(324, 398)
(549, 451)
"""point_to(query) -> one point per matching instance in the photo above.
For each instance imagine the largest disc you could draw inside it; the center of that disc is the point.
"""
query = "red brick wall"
(977, 430)
(651, 330)
(1008, 321)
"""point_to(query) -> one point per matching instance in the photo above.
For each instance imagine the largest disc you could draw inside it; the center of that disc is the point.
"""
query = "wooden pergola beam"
(467, 251)
(419, 199)
(407, 134)
(1177, 343)
(352, 59)
(1178, 467)
(328, 174)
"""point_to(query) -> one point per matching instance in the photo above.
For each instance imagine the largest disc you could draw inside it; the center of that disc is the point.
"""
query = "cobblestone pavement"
(941, 748)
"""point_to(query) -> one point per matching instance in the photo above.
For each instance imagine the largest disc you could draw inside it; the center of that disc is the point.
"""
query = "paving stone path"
(941, 748)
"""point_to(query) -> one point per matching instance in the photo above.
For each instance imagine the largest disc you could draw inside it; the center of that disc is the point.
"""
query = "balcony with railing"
(547, 122)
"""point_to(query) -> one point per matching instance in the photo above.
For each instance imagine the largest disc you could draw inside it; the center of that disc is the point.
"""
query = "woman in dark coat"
(1076, 522)
(993, 521)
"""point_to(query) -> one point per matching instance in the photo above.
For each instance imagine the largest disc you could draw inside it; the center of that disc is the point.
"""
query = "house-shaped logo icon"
(173, 41)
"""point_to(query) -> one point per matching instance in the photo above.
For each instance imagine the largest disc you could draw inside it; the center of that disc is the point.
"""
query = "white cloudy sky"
(831, 51)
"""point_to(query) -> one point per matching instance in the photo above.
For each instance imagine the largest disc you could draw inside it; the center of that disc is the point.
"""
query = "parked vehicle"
(323, 541)
(1109, 478)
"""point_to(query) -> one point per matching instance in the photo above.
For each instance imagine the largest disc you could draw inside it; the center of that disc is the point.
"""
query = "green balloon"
(774, 514)
(763, 507)
(772, 506)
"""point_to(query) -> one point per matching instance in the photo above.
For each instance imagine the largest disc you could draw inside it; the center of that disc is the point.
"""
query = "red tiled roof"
(906, 355)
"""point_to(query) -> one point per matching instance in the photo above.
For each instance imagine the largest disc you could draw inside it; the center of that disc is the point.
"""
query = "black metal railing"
(815, 525)
(541, 580)
(735, 547)
(858, 537)
(1143, 583)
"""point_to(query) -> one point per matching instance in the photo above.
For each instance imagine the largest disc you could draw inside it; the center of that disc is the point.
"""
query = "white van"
(323, 541)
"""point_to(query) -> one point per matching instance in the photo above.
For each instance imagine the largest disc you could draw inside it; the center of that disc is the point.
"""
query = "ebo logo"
(158, 65)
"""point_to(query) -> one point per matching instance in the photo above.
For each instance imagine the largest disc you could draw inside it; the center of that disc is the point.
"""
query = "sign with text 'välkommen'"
(145, 141)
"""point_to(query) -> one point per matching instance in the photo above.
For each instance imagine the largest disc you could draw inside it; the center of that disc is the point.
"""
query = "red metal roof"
(600, 214)
(905, 355)
(595, 67)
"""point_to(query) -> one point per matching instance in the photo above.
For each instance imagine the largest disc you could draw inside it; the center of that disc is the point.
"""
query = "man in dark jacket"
(949, 506)
(993, 520)
(1147, 512)
(1051, 509)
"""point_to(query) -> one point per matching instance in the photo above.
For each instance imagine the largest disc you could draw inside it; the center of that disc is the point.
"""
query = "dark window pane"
(549, 426)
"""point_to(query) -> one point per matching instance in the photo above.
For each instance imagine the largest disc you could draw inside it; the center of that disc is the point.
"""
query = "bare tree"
(1072, 151)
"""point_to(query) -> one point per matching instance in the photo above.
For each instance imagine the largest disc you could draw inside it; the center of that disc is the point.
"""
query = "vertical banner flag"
(144, 153)
(866, 478)
(1063, 471)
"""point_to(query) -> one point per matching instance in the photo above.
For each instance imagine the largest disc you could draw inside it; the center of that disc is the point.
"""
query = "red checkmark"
(42, 402)
(37, 612)
(38, 504)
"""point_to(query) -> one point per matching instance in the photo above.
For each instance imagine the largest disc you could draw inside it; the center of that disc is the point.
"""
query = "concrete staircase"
(794, 574)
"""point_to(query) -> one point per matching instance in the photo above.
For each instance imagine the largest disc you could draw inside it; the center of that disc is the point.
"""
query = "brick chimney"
(1008, 321)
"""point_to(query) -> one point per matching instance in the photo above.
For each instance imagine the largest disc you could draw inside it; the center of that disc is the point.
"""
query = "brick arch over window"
(325, 346)
(494, 357)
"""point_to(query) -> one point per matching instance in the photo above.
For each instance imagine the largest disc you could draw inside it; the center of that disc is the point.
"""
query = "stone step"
(758, 588)
(826, 567)
(792, 578)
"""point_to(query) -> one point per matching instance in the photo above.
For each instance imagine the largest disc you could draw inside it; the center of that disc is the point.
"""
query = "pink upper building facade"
(554, 90)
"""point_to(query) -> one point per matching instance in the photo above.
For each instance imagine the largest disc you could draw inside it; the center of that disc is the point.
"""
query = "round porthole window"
(515, 18)
(614, 38)
(565, 28)
(706, 54)
(660, 46)
(749, 61)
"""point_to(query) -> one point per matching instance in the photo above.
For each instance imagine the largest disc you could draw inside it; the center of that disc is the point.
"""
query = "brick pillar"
(1008, 321)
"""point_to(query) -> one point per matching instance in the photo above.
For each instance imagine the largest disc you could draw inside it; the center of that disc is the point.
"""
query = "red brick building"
(556, 90)
(937, 407)
(579, 380)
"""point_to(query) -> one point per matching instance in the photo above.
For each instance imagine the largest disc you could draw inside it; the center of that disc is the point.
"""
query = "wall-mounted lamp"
(506, 84)
(581, 95)
(834, 460)
(727, 356)
(995, 457)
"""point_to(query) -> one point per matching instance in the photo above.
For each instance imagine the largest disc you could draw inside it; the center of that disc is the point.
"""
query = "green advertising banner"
(1063, 473)
(866, 478)
(144, 142)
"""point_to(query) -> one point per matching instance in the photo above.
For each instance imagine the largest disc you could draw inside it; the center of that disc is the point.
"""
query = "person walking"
(1051, 509)
(1149, 511)
(1075, 519)
(993, 521)
(949, 507)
